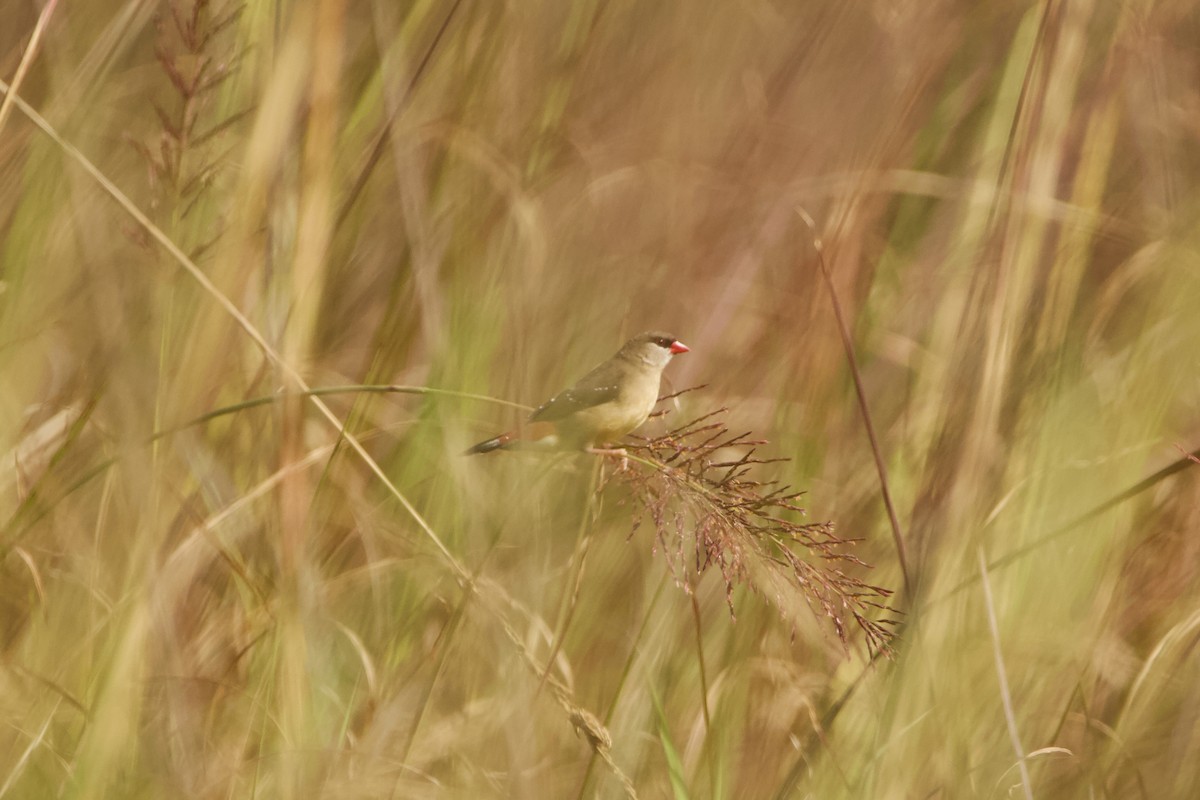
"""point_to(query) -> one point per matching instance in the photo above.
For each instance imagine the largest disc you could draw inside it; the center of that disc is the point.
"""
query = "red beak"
(678, 347)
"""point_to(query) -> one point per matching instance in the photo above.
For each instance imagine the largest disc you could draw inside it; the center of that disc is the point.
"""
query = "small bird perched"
(607, 403)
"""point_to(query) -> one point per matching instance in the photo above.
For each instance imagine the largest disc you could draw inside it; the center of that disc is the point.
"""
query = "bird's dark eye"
(663, 341)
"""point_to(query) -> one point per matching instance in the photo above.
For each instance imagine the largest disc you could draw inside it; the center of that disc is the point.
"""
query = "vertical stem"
(848, 343)
(1010, 718)
(700, 659)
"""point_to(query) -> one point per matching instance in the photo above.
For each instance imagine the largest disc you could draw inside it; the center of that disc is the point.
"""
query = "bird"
(605, 404)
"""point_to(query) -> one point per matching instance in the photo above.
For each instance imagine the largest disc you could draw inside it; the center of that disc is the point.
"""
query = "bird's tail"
(495, 443)
(534, 436)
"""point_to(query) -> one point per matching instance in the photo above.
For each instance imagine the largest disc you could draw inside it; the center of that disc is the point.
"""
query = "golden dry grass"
(215, 585)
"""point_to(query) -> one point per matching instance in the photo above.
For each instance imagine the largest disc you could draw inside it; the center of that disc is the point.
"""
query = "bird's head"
(654, 348)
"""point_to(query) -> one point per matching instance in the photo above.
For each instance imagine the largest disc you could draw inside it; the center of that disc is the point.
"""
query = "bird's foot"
(612, 451)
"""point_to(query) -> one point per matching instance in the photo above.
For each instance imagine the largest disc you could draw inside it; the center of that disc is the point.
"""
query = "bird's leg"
(612, 451)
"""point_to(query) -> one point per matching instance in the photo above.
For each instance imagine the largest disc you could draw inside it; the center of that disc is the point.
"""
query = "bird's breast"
(609, 421)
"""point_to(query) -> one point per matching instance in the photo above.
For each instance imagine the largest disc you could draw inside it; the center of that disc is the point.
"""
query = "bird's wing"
(601, 385)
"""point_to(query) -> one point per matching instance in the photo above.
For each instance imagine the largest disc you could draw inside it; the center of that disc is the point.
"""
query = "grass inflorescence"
(701, 487)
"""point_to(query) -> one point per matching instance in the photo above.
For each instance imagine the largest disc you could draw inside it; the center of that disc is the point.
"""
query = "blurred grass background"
(489, 198)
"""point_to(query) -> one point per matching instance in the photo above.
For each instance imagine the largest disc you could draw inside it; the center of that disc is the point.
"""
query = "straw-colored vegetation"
(217, 584)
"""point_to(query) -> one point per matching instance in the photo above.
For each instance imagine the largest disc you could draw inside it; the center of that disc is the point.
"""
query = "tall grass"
(217, 583)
